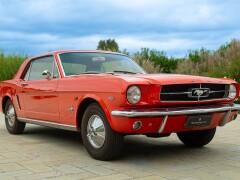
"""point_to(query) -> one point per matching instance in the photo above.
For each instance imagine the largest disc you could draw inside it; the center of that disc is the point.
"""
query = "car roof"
(69, 51)
(55, 53)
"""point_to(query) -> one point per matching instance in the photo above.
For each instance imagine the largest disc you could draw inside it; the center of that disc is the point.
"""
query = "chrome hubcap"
(10, 115)
(96, 131)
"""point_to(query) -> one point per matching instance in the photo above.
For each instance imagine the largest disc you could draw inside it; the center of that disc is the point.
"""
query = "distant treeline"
(223, 62)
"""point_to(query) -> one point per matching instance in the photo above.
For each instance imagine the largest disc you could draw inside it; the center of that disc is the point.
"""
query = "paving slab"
(46, 153)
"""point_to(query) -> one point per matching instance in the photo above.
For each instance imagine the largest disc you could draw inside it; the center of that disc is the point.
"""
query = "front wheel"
(13, 125)
(99, 139)
(197, 138)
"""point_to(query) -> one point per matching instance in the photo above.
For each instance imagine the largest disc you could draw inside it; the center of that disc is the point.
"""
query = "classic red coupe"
(106, 96)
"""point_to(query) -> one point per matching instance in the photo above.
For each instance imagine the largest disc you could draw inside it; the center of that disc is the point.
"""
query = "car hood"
(164, 79)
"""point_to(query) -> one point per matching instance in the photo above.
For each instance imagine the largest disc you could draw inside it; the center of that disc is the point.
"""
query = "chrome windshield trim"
(60, 62)
(55, 63)
(58, 55)
(169, 112)
(48, 124)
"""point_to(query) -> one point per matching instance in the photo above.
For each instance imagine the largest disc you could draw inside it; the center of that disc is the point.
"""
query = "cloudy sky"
(37, 26)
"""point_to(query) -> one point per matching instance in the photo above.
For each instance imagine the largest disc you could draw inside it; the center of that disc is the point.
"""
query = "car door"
(40, 92)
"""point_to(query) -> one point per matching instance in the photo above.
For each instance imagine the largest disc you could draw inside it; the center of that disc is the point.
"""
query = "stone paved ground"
(44, 153)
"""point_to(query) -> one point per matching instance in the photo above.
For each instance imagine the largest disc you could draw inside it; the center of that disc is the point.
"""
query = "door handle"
(24, 84)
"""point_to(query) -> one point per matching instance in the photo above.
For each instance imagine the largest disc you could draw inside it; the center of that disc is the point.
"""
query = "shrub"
(224, 62)
(159, 59)
(147, 65)
(9, 64)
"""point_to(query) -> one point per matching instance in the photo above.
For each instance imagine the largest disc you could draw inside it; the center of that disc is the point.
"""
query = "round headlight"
(232, 92)
(133, 94)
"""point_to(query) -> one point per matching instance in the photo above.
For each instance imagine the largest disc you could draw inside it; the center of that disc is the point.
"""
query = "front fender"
(100, 101)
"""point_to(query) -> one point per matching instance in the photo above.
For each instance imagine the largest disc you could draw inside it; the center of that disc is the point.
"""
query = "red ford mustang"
(107, 96)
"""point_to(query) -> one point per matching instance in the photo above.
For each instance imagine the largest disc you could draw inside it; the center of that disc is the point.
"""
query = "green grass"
(9, 64)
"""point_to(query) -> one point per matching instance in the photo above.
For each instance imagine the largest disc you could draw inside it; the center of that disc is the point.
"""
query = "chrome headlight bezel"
(232, 92)
(134, 94)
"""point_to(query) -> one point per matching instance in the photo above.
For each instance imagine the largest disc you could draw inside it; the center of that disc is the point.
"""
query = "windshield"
(75, 63)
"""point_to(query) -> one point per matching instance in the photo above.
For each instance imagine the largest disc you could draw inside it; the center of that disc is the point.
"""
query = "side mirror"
(46, 74)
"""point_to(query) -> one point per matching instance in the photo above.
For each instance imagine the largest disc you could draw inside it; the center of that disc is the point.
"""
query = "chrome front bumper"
(174, 111)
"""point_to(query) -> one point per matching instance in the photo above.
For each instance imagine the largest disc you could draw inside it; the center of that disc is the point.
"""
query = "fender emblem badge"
(70, 109)
(111, 98)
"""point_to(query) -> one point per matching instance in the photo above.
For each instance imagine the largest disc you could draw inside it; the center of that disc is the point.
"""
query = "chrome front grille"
(193, 92)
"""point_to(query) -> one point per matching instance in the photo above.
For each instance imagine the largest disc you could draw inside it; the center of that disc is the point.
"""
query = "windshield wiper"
(97, 72)
(124, 72)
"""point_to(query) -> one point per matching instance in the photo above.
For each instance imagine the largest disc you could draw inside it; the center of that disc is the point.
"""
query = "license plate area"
(198, 120)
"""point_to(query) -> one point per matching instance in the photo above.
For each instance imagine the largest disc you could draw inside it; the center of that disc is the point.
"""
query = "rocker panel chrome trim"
(48, 124)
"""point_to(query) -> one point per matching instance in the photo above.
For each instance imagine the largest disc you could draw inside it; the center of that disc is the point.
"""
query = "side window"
(27, 74)
(55, 71)
(39, 65)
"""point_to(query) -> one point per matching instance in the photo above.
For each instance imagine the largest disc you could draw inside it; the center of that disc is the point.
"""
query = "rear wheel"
(99, 139)
(13, 125)
(196, 138)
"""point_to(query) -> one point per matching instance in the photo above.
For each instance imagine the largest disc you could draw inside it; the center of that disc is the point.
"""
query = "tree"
(108, 45)
(160, 59)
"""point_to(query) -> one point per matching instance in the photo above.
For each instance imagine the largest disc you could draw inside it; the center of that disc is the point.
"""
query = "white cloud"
(172, 26)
